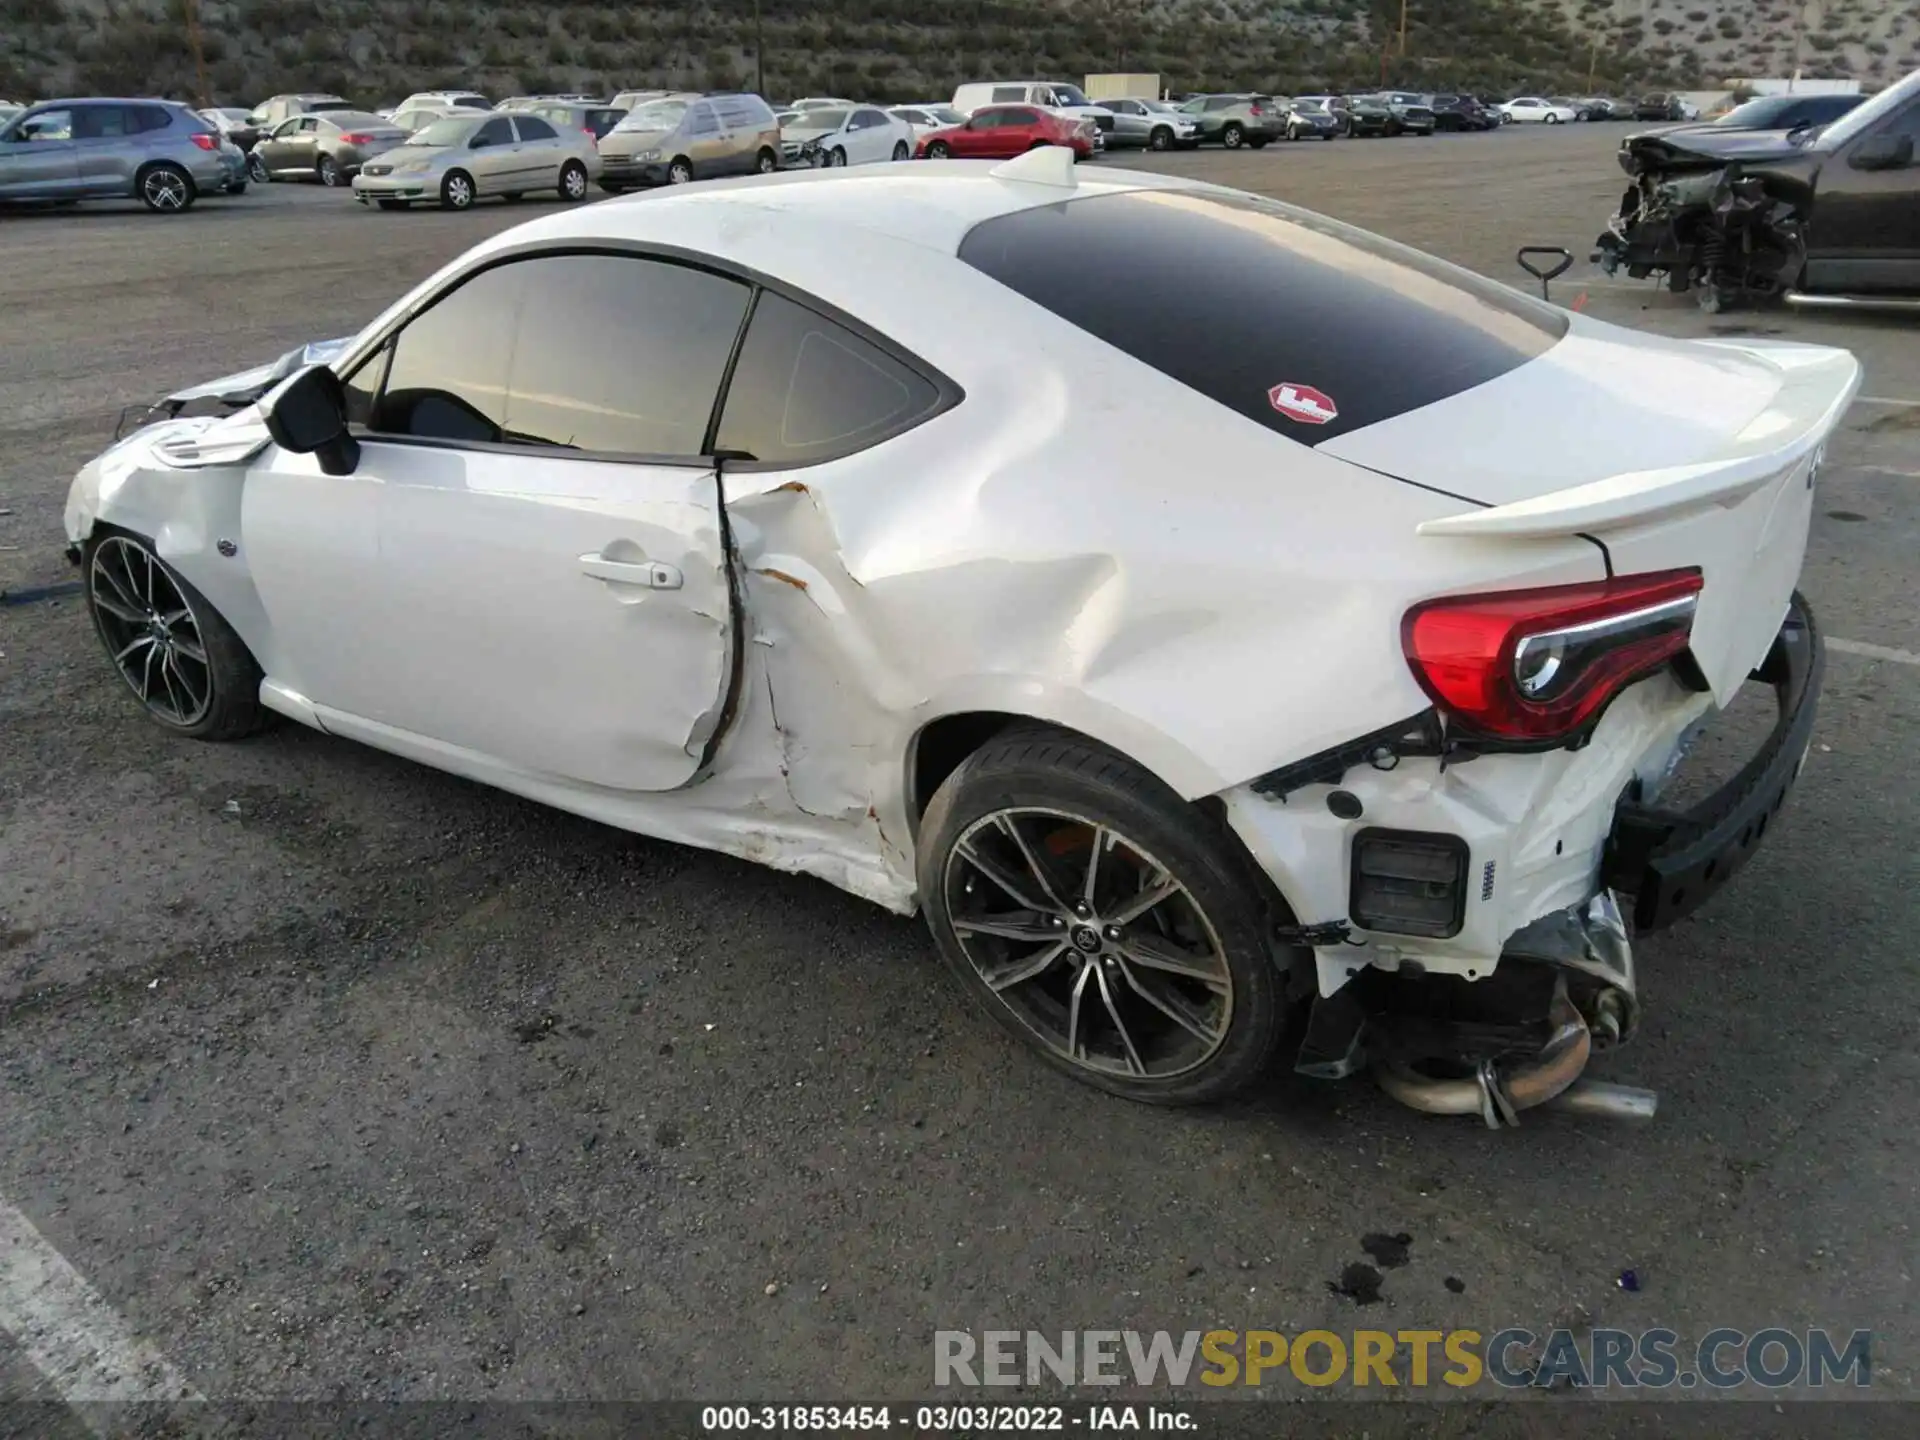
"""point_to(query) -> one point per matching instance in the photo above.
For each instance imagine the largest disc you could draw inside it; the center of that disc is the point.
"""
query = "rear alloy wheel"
(1098, 918)
(166, 189)
(1160, 139)
(680, 172)
(900, 151)
(1232, 136)
(191, 673)
(939, 150)
(329, 172)
(456, 191)
(573, 181)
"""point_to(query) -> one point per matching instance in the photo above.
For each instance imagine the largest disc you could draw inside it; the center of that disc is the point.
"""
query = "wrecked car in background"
(1821, 216)
(1191, 673)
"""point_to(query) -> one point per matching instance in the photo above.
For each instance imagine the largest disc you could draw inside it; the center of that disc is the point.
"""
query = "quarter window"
(1009, 92)
(702, 121)
(807, 389)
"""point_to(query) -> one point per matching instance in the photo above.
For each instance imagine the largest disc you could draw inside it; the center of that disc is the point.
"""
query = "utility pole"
(1403, 28)
(759, 54)
(1799, 41)
(1593, 62)
(190, 12)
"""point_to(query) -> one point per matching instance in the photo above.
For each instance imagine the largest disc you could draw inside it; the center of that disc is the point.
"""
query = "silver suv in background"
(157, 151)
(1153, 124)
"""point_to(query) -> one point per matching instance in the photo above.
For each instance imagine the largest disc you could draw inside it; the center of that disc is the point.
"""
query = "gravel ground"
(341, 1078)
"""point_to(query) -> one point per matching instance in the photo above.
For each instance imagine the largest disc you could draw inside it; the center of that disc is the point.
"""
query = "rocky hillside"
(377, 50)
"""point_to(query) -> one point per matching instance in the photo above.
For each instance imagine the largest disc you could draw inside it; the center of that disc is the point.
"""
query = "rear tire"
(768, 163)
(165, 188)
(573, 182)
(1195, 1020)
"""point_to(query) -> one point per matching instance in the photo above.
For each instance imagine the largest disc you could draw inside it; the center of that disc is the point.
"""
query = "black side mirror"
(309, 417)
(1882, 152)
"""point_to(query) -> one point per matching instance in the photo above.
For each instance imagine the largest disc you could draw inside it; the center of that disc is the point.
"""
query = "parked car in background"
(831, 136)
(592, 118)
(1054, 94)
(819, 102)
(1411, 113)
(1311, 118)
(449, 99)
(469, 156)
(235, 122)
(999, 132)
(1235, 120)
(669, 142)
(418, 117)
(1370, 115)
(1659, 106)
(1461, 112)
(156, 151)
(1531, 109)
(925, 117)
(634, 99)
(532, 102)
(1151, 124)
(1335, 105)
(269, 113)
(329, 147)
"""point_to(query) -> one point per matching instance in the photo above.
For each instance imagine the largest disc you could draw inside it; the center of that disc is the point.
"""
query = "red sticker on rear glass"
(1303, 403)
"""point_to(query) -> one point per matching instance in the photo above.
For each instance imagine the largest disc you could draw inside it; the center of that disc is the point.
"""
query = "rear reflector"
(1408, 882)
(1537, 665)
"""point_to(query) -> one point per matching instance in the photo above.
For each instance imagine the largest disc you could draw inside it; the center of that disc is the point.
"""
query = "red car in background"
(999, 132)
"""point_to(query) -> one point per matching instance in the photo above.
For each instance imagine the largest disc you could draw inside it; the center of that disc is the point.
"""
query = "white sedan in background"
(1187, 674)
(1532, 109)
(831, 136)
(925, 119)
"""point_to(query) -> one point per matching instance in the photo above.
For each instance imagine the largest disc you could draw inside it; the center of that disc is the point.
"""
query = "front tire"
(166, 189)
(836, 158)
(573, 182)
(1553, 119)
(257, 169)
(680, 171)
(191, 673)
(939, 150)
(1101, 920)
(1160, 139)
(456, 191)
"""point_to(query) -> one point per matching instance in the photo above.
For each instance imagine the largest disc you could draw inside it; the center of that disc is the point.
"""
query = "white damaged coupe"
(1205, 613)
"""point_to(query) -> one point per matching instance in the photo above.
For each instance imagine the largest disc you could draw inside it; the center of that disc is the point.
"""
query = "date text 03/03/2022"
(950, 1419)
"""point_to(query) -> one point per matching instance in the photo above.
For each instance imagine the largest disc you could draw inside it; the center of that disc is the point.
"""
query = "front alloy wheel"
(183, 662)
(1101, 920)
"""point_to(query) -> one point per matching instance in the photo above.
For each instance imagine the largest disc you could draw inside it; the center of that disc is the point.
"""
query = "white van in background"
(1055, 94)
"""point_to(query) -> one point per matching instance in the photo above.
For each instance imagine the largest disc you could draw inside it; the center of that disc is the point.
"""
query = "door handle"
(650, 574)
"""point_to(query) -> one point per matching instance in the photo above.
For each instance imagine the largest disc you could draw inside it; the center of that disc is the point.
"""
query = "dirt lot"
(337, 1077)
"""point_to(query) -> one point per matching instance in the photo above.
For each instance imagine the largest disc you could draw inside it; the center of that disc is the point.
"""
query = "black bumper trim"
(1671, 862)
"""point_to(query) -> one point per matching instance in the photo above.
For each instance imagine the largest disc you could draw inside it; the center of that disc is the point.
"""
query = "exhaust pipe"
(1497, 1097)
(1602, 1097)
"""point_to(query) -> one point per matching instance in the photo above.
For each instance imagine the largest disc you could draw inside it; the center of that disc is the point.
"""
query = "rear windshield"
(1239, 296)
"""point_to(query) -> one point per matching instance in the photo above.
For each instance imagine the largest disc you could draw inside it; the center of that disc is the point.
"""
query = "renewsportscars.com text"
(1512, 1359)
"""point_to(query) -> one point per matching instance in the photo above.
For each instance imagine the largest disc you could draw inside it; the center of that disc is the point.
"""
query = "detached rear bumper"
(1671, 862)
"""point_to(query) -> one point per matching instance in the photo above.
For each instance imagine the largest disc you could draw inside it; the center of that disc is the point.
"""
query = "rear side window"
(1242, 297)
(472, 102)
(701, 120)
(602, 121)
(532, 127)
(105, 122)
(807, 389)
(1008, 92)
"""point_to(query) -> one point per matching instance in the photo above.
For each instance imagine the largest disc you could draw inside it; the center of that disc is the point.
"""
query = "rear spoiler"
(1817, 384)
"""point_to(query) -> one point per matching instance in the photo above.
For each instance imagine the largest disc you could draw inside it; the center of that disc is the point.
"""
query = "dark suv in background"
(1461, 112)
(156, 151)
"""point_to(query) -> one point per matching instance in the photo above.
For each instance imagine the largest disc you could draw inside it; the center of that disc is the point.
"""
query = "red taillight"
(1255, 110)
(1538, 664)
(205, 141)
(356, 139)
